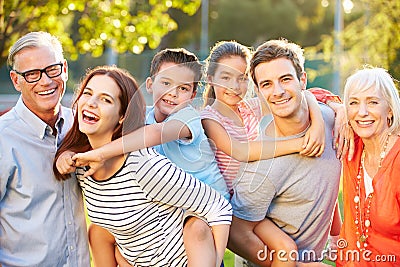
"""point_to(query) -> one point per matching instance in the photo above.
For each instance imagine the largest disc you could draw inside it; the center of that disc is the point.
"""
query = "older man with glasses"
(42, 221)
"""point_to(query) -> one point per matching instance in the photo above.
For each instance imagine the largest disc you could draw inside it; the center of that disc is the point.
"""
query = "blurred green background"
(338, 36)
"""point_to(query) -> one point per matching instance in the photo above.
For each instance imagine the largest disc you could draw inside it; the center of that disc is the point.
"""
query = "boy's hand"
(93, 159)
(65, 164)
(314, 141)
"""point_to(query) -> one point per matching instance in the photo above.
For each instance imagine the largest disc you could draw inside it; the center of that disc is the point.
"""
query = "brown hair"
(132, 108)
(275, 49)
(177, 56)
(221, 50)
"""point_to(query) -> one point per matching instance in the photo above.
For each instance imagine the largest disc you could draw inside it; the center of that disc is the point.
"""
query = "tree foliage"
(372, 37)
(254, 21)
(91, 26)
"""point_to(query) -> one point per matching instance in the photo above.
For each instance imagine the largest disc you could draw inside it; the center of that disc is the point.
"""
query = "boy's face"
(172, 89)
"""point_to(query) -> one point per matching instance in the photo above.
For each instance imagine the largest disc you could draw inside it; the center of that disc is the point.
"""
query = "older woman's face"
(368, 113)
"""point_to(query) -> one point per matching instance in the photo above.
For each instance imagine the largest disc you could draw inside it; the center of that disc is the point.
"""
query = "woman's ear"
(390, 118)
(149, 84)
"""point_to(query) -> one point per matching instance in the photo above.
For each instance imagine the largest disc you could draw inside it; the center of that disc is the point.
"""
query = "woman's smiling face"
(99, 108)
(368, 112)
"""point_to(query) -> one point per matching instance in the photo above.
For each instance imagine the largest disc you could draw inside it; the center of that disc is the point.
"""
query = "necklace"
(362, 220)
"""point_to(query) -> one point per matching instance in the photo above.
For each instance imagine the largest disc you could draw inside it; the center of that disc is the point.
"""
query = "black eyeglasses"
(35, 75)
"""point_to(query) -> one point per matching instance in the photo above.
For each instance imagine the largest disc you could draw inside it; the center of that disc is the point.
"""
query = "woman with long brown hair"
(140, 197)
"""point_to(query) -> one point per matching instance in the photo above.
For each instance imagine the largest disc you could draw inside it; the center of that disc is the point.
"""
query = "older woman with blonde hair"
(370, 234)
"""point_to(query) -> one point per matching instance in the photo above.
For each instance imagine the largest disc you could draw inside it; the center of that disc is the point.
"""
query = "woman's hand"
(65, 164)
(344, 142)
(343, 136)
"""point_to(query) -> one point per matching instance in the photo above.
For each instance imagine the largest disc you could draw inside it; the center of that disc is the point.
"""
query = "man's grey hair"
(35, 39)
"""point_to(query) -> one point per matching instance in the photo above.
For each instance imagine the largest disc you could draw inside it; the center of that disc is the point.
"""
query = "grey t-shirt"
(297, 193)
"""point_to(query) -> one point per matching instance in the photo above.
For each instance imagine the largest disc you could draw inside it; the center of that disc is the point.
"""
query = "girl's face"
(368, 113)
(230, 80)
(99, 109)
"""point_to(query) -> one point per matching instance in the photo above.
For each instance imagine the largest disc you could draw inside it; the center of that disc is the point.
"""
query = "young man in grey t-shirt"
(298, 194)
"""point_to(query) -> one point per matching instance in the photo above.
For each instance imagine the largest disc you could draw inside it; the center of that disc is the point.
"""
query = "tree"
(372, 37)
(91, 26)
(253, 21)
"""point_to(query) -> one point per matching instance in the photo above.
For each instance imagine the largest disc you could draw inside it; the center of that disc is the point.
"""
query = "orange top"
(384, 233)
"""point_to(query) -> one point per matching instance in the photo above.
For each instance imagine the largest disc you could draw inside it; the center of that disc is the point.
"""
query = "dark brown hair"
(222, 50)
(275, 49)
(177, 56)
(132, 108)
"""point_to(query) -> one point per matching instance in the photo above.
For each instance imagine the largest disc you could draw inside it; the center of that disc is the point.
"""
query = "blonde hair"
(382, 81)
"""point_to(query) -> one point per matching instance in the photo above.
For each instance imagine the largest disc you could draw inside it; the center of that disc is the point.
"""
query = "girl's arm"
(251, 150)
(314, 140)
(147, 136)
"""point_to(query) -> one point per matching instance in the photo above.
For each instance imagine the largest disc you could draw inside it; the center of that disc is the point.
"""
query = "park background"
(339, 36)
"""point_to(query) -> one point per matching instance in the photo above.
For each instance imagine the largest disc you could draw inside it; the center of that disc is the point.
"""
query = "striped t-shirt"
(250, 113)
(143, 204)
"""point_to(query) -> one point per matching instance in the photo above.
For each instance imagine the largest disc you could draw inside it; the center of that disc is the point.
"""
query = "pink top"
(251, 113)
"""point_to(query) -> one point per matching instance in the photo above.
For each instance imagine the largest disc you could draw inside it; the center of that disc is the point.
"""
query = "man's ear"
(15, 80)
(149, 84)
(303, 81)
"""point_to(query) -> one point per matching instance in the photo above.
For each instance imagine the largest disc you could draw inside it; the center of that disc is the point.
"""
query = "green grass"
(229, 258)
